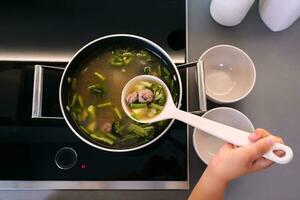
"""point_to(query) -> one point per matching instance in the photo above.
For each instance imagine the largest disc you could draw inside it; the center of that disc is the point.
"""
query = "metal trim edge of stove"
(94, 185)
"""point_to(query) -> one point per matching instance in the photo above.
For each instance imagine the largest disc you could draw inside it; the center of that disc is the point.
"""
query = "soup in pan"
(94, 99)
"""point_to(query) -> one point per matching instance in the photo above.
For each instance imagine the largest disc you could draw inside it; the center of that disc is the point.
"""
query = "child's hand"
(231, 162)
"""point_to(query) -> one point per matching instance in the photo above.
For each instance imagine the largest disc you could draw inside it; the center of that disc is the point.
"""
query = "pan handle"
(37, 98)
(200, 84)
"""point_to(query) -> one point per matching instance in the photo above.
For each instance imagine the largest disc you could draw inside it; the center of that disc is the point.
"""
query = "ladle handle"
(230, 134)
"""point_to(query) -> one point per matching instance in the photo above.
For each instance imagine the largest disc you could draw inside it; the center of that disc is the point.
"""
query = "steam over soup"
(94, 99)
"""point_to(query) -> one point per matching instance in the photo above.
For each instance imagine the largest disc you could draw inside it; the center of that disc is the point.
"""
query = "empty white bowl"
(205, 145)
(229, 73)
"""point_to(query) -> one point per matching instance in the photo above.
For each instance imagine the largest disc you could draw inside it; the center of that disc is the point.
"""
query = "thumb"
(259, 148)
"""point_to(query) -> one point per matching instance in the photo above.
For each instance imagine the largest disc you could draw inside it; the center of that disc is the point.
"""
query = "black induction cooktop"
(54, 30)
(38, 150)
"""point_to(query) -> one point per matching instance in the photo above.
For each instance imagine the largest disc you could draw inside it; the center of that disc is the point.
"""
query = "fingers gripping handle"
(281, 160)
(231, 135)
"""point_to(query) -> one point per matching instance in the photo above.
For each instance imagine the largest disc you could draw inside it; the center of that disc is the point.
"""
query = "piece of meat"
(106, 127)
(132, 97)
(145, 96)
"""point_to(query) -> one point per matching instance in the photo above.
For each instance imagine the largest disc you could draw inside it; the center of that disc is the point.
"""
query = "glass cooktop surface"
(43, 153)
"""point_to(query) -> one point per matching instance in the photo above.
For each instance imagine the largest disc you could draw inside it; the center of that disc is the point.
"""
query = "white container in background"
(279, 14)
(230, 12)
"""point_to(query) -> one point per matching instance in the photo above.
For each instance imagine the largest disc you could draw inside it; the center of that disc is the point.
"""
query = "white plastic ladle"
(224, 132)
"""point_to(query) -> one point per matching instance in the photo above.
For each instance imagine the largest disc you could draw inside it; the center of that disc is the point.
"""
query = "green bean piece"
(174, 96)
(103, 105)
(116, 63)
(162, 123)
(100, 76)
(158, 71)
(150, 130)
(166, 71)
(84, 70)
(127, 60)
(137, 130)
(146, 84)
(111, 136)
(138, 105)
(96, 89)
(156, 106)
(116, 127)
(84, 129)
(103, 139)
(129, 137)
(68, 108)
(127, 54)
(74, 116)
(74, 82)
(74, 99)
(172, 85)
(118, 113)
(141, 131)
(92, 111)
(80, 100)
(147, 70)
(144, 55)
(84, 116)
(91, 126)
(134, 115)
(76, 110)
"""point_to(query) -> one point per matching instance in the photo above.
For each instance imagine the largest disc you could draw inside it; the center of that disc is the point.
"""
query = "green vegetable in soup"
(80, 101)
(74, 99)
(103, 105)
(146, 84)
(68, 108)
(111, 136)
(116, 127)
(74, 83)
(74, 116)
(144, 55)
(118, 113)
(97, 90)
(100, 76)
(158, 71)
(102, 139)
(129, 137)
(84, 115)
(160, 99)
(91, 127)
(121, 57)
(138, 105)
(92, 111)
(147, 70)
(166, 71)
(84, 129)
(156, 106)
(141, 131)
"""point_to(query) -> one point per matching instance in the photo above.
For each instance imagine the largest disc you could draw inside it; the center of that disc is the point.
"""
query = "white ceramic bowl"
(205, 145)
(229, 73)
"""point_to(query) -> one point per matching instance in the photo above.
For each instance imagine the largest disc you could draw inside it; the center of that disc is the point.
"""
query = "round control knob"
(66, 158)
